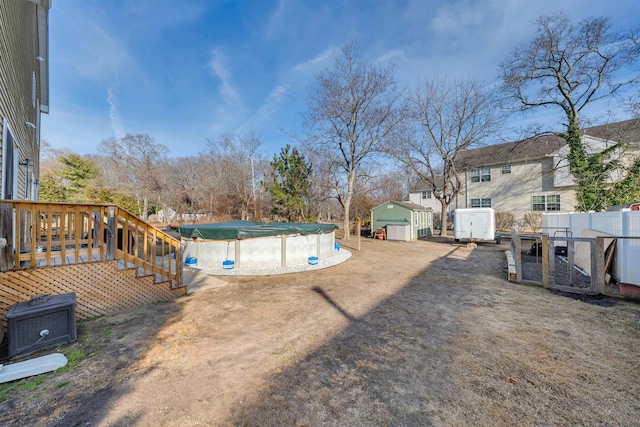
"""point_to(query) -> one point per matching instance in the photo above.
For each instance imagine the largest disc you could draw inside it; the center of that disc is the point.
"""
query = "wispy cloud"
(453, 18)
(99, 53)
(314, 64)
(391, 55)
(220, 68)
(276, 20)
(271, 104)
(164, 14)
(114, 114)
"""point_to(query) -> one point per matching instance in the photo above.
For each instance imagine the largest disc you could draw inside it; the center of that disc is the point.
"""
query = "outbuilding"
(402, 220)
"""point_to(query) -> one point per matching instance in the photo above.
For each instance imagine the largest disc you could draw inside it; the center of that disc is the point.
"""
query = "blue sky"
(184, 71)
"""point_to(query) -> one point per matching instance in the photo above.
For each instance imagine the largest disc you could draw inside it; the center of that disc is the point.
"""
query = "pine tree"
(290, 184)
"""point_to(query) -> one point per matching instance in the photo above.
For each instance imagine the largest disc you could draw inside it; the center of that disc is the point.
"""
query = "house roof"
(538, 147)
(422, 185)
(408, 205)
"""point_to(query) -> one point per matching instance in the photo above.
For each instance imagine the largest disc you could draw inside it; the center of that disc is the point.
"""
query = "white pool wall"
(262, 252)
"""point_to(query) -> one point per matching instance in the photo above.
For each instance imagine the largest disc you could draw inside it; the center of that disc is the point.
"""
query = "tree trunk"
(347, 203)
(443, 219)
(145, 207)
(345, 223)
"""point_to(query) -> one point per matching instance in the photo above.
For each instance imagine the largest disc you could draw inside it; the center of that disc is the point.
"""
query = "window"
(546, 203)
(505, 169)
(481, 175)
(481, 203)
(426, 194)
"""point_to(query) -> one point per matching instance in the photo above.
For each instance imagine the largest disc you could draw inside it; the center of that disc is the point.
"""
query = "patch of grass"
(86, 338)
(7, 389)
(62, 384)
(120, 336)
(33, 383)
(74, 357)
(633, 328)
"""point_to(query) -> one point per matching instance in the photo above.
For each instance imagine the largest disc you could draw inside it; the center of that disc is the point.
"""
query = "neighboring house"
(170, 215)
(533, 175)
(421, 193)
(417, 218)
(24, 94)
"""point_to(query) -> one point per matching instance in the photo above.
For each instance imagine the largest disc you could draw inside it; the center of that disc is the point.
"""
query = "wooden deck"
(108, 256)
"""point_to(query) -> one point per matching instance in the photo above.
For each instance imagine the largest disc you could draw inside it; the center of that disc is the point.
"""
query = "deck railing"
(40, 234)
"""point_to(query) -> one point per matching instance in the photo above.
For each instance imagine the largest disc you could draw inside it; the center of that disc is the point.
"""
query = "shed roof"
(407, 205)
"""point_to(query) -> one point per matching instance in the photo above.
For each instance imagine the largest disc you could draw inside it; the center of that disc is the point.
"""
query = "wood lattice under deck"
(101, 287)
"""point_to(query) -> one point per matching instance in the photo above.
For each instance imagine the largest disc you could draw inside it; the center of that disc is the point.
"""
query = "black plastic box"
(26, 324)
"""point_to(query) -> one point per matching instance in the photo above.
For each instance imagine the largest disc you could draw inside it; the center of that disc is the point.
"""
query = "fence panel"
(617, 223)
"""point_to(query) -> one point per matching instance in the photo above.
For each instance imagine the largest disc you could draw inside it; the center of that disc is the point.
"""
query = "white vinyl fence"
(624, 223)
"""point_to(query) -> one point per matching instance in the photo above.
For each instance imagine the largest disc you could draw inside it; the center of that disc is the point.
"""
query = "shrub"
(505, 221)
(533, 221)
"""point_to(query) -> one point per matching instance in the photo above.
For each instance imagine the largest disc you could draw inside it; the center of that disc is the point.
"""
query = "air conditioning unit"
(41, 322)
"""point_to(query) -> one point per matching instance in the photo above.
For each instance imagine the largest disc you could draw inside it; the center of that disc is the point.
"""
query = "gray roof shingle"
(538, 147)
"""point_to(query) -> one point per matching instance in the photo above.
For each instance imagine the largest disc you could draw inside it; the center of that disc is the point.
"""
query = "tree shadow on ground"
(388, 367)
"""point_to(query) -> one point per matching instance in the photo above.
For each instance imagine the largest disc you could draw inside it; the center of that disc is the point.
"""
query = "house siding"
(514, 192)
(431, 203)
(18, 64)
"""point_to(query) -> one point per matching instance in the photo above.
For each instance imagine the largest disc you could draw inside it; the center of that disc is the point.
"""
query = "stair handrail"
(34, 234)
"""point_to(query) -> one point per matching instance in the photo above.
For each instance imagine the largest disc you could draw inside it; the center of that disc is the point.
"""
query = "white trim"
(6, 129)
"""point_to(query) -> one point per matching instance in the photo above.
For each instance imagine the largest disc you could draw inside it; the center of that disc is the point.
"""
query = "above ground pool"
(245, 247)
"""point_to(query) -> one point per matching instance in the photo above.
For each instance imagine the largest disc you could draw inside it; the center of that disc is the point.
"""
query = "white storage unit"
(475, 224)
(400, 232)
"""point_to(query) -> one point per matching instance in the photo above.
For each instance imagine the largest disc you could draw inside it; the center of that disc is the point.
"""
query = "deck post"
(571, 252)
(598, 265)
(111, 233)
(517, 247)
(6, 232)
(546, 254)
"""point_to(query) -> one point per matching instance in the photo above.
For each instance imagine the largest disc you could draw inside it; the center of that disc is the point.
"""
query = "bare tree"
(234, 160)
(139, 161)
(187, 185)
(633, 105)
(352, 113)
(571, 66)
(388, 185)
(447, 118)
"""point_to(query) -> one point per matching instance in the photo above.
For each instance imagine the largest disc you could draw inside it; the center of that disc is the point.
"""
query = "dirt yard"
(403, 334)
